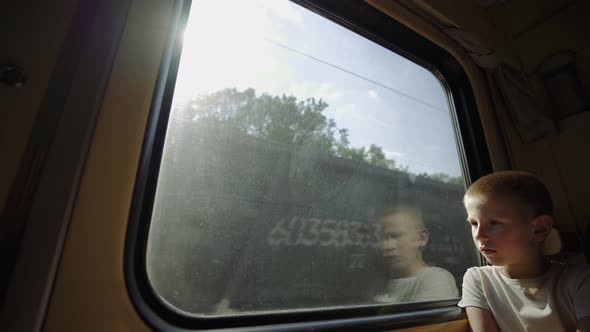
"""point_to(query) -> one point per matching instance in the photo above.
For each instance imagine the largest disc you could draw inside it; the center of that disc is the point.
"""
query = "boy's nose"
(480, 233)
(386, 245)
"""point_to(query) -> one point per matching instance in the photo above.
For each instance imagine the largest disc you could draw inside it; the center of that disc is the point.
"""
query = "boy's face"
(401, 243)
(501, 231)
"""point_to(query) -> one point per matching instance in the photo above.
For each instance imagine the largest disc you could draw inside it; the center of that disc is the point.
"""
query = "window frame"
(367, 21)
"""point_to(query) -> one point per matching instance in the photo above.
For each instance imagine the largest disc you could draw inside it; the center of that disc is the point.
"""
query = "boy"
(410, 279)
(511, 216)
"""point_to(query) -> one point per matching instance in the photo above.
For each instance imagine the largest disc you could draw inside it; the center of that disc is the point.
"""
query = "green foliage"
(284, 119)
(443, 178)
(281, 119)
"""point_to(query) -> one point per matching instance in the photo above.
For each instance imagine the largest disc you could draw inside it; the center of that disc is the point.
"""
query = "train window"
(304, 166)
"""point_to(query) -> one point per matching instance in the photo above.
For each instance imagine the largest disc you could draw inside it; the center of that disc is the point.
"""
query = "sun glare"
(223, 48)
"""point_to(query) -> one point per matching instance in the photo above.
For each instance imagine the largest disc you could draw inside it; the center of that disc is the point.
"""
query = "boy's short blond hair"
(404, 209)
(527, 190)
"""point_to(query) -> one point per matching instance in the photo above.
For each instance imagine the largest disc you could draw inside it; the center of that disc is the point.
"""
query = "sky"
(278, 47)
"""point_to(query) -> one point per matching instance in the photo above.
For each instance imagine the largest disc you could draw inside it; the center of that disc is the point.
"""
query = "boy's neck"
(530, 269)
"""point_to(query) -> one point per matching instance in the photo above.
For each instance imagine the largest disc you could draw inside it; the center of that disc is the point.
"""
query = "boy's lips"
(487, 251)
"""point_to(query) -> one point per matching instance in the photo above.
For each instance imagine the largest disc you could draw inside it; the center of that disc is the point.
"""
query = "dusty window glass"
(304, 166)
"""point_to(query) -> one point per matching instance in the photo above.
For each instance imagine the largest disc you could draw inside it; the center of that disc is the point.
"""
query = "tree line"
(284, 119)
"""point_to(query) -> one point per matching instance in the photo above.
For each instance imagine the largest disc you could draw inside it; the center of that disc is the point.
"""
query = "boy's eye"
(392, 236)
(473, 223)
(495, 222)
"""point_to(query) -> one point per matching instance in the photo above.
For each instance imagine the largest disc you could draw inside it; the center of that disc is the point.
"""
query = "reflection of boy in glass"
(409, 277)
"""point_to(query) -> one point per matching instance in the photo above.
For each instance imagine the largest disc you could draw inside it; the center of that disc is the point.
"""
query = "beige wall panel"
(90, 292)
(572, 152)
(517, 16)
(454, 326)
(566, 31)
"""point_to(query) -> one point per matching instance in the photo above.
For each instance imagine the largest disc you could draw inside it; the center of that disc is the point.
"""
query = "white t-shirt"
(554, 301)
(431, 283)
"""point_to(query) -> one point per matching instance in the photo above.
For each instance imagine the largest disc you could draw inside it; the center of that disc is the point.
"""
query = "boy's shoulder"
(480, 275)
(568, 274)
(483, 270)
(436, 274)
(437, 271)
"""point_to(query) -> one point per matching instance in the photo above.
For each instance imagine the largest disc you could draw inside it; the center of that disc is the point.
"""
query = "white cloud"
(394, 154)
(373, 94)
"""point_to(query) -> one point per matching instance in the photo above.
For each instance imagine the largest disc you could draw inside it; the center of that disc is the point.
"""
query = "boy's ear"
(423, 236)
(542, 225)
